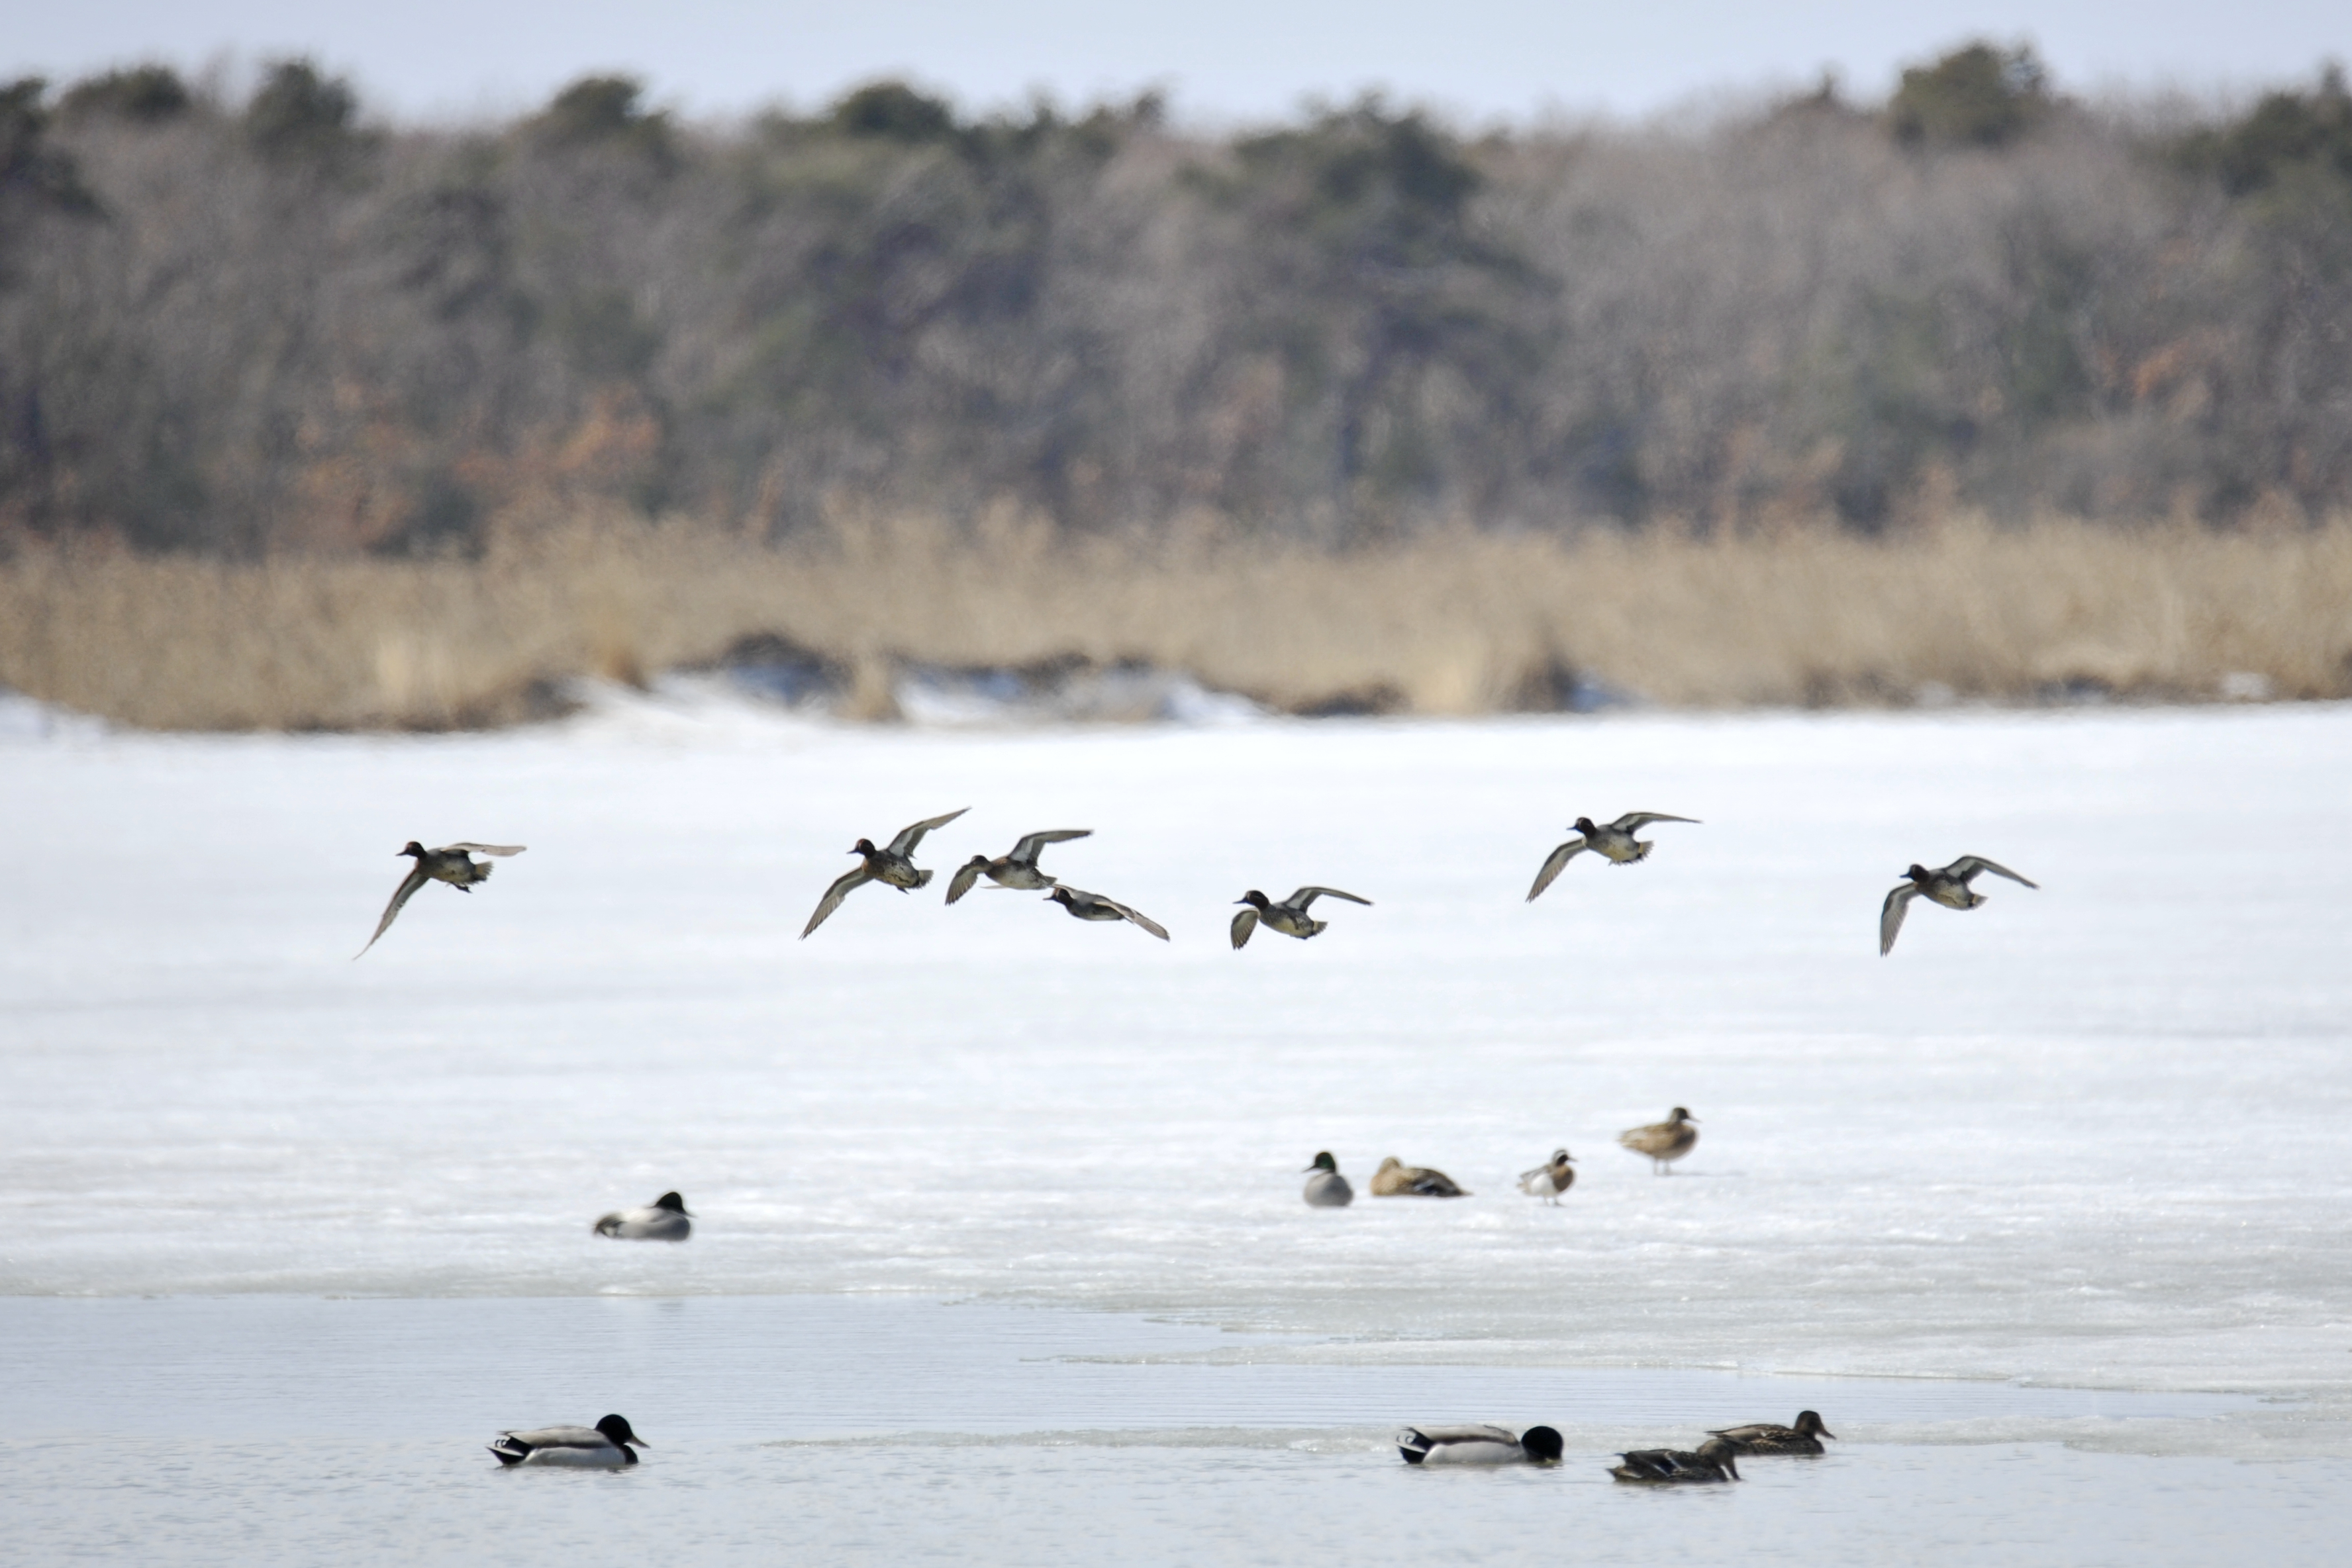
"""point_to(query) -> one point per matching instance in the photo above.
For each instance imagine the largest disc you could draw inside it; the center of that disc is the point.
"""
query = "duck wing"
(416, 879)
(911, 835)
(1891, 914)
(1305, 896)
(1137, 916)
(1025, 852)
(966, 875)
(1556, 864)
(1968, 866)
(1632, 821)
(840, 889)
(1244, 923)
(485, 848)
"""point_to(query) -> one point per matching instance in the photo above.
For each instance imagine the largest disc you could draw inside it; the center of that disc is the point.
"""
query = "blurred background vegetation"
(245, 329)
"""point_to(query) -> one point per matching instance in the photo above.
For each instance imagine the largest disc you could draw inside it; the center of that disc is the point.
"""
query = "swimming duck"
(1288, 916)
(664, 1219)
(1663, 1142)
(1615, 843)
(604, 1446)
(1088, 906)
(893, 866)
(1326, 1187)
(1479, 1446)
(1764, 1437)
(452, 863)
(1395, 1179)
(1018, 869)
(1948, 887)
(1713, 1460)
(1548, 1181)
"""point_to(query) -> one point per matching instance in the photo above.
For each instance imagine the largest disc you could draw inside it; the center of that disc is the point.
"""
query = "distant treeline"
(237, 328)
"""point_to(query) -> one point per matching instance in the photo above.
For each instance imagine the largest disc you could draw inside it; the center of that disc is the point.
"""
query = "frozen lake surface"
(2088, 1138)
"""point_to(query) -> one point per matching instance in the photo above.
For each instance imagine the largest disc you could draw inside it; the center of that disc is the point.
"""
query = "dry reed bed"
(1463, 623)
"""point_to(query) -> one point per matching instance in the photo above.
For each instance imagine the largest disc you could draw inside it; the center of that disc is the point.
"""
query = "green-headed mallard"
(1479, 1445)
(664, 1219)
(604, 1446)
(1326, 1187)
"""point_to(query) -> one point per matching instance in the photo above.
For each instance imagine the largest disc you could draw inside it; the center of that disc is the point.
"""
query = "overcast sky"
(1221, 60)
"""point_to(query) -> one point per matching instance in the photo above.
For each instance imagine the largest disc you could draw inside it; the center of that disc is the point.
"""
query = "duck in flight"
(452, 863)
(1663, 1142)
(1549, 1180)
(604, 1446)
(1948, 887)
(1088, 906)
(894, 867)
(1018, 869)
(664, 1219)
(1769, 1438)
(1288, 916)
(1714, 1460)
(1614, 843)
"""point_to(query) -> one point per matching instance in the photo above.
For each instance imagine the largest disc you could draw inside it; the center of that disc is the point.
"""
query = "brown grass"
(1460, 622)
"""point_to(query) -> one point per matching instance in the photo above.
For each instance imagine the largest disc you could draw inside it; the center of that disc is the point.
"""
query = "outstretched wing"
(910, 836)
(1305, 896)
(1555, 866)
(1891, 914)
(1026, 851)
(833, 897)
(401, 895)
(1139, 917)
(486, 849)
(1968, 866)
(966, 875)
(1634, 821)
(1244, 923)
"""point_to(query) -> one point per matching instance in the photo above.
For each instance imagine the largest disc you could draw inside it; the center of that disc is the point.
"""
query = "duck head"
(1060, 895)
(1809, 1422)
(1543, 1445)
(1681, 1116)
(863, 847)
(1254, 899)
(1585, 825)
(1562, 1157)
(616, 1431)
(1917, 872)
(1324, 1161)
(673, 1203)
(413, 848)
(1718, 1452)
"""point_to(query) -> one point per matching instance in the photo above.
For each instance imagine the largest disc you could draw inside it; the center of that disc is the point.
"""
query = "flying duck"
(1288, 916)
(1395, 1179)
(1948, 887)
(1548, 1181)
(1714, 1460)
(1326, 1187)
(1765, 1437)
(452, 863)
(1479, 1446)
(1088, 906)
(893, 866)
(1663, 1142)
(1018, 869)
(1615, 843)
(604, 1446)
(664, 1219)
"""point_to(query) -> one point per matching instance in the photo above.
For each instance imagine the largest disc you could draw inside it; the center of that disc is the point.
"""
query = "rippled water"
(2084, 1138)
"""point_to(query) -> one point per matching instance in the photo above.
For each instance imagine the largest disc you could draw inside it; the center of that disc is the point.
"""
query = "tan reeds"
(1456, 623)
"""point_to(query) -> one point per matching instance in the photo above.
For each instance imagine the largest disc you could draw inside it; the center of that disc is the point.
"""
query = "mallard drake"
(452, 863)
(1615, 842)
(664, 1219)
(1288, 916)
(1764, 1437)
(1479, 1446)
(1713, 1460)
(1326, 1187)
(1948, 887)
(604, 1446)
(893, 866)
(1088, 906)
(1663, 1142)
(1018, 869)
(1395, 1179)
(1548, 1181)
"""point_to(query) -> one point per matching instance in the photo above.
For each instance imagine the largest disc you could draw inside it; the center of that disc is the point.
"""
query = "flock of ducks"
(894, 867)
(611, 1443)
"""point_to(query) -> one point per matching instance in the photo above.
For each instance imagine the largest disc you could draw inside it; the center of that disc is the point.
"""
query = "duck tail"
(922, 879)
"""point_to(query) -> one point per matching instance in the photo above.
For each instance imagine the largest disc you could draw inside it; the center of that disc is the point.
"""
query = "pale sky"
(1221, 60)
